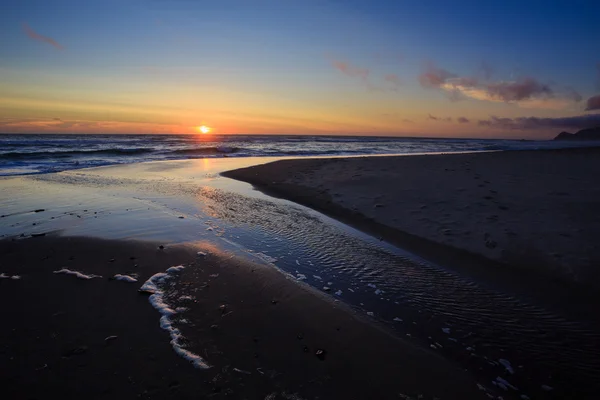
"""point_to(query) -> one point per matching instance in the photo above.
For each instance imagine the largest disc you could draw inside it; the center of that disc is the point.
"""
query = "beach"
(100, 338)
(281, 301)
(533, 210)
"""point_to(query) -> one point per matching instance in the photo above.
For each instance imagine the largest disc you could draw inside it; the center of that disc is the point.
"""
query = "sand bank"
(535, 210)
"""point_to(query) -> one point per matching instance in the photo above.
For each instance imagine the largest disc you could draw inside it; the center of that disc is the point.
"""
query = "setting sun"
(204, 129)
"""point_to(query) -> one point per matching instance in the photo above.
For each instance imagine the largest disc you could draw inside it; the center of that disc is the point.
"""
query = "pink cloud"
(438, 119)
(350, 70)
(36, 36)
(593, 103)
(462, 120)
(526, 92)
(523, 123)
(434, 77)
(522, 89)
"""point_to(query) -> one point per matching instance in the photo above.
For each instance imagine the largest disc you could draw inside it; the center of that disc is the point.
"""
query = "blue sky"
(264, 66)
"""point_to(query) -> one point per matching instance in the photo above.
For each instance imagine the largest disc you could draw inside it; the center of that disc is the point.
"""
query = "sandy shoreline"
(265, 342)
(454, 330)
(533, 210)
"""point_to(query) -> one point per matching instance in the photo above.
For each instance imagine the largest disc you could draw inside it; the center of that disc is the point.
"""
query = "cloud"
(394, 81)
(526, 92)
(504, 91)
(524, 123)
(439, 119)
(36, 36)
(434, 77)
(573, 94)
(598, 70)
(391, 82)
(522, 89)
(350, 70)
(462, 120)
(593, 103)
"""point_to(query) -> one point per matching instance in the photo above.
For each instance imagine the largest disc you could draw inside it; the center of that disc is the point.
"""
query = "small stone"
(320, 353)
(161, 247)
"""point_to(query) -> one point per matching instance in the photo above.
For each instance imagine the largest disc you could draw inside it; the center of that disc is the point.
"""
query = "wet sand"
(258, 330)
(455, 329)
(533, 213)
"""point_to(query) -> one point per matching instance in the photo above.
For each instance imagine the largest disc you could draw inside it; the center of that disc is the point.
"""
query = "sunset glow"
(331, 79)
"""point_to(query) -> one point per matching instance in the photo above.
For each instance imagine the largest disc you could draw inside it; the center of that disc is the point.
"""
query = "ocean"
(45, 153)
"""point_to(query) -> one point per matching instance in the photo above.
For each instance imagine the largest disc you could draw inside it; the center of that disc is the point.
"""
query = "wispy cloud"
(526, 92)
(350, 70)
(438, 119)
(389, 82)
(434, 77)
(593, 103)
(525, 123)
(462, 120)
(36, 36)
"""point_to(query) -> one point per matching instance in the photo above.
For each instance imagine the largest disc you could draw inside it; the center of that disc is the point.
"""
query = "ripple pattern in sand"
(384, 280)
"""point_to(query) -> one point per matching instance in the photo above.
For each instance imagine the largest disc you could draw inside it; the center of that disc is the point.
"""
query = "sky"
(432, 68)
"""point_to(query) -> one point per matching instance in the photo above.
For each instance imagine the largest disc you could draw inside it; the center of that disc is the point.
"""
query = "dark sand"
(535, 214)
(54, 328)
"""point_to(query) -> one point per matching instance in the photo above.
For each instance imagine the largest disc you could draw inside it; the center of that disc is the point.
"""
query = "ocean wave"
(70, 153)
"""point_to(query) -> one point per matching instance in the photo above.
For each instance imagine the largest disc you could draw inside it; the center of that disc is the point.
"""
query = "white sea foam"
(446, 330)
(266, 257)
(186, 298)
(150, 285)
(371, 285)
(78, 274)
(503, 383)
(14, 277)
(157, 299)
(506, 365)
(125, 278)
(398, 319)
(300, 277)
(175, 269)
(338, 293)
(317, 277)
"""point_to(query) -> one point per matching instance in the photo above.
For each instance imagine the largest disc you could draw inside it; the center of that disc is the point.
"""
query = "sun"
(204, 129)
